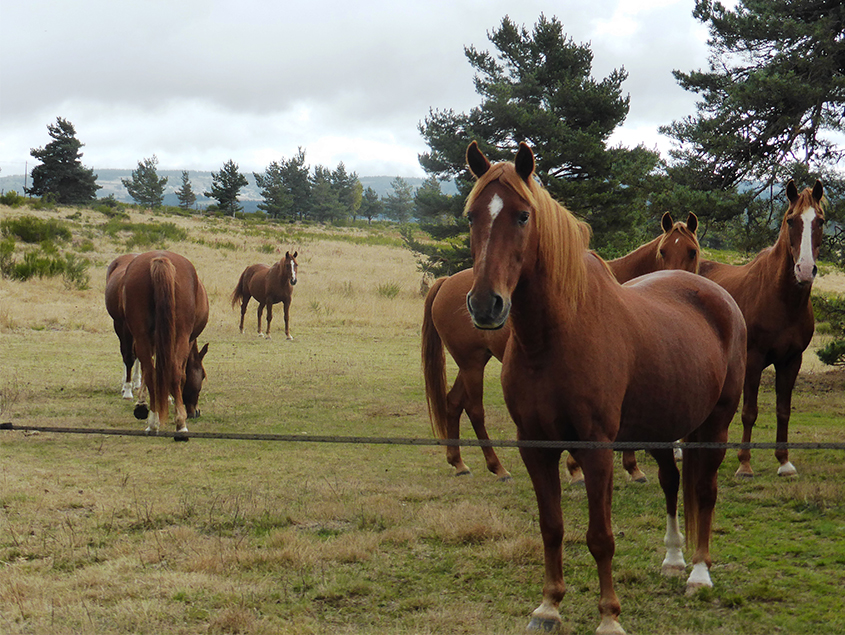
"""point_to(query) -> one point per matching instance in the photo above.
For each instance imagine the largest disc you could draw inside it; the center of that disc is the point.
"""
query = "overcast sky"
(199, 82)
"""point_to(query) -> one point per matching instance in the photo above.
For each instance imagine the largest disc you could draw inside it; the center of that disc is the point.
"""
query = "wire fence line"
(484, 443)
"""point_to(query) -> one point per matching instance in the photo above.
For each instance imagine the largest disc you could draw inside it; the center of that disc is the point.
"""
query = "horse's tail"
(163, 274)
(238, 293)
(691, 473)
(434, 366)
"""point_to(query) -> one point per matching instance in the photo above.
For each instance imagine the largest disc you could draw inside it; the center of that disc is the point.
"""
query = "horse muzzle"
(805, 272)
(489, 311)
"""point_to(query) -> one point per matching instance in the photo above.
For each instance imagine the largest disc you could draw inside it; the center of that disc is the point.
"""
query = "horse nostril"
(498, 304)
(815, 270)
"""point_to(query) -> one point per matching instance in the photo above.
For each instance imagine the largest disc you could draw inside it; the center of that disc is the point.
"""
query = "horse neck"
(542, 320)
(775, 269)
(639, 262)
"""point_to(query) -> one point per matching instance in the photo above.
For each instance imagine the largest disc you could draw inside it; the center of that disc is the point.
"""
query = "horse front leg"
(544, 470)
(287, 320)
(598, 479)
(785, 376)
(751, 387)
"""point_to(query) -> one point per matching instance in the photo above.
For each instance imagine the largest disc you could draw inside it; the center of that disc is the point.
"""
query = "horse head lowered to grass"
(592, 360)
(165, 308)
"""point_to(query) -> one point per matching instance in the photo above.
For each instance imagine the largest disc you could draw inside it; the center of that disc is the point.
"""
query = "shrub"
(31, 229)
(830, 310)
(388, 290)
(12, 199)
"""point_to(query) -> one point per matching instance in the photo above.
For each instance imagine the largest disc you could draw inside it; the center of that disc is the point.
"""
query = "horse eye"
(692, 253)
(523, 218)
(469, 217)
(789, 222)
(662, 253)
(821, 221)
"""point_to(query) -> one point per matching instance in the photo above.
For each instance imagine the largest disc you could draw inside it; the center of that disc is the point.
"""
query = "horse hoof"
(787, 470)
(507, 478)
(744, 471)
(290, 337)
(577, 482)
(693, 588)
(543, 625)
(465, 472)
(673, 570)
(639, 477)
(151, 432)
(142, 411)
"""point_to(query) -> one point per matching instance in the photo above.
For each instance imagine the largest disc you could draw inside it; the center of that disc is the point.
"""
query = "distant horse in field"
(114, 306)
(773, 291)
(659, 358)
(269, 286)
(165, 308)
(446, 322)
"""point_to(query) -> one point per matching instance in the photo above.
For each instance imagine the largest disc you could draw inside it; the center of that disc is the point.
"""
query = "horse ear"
(818, 191)
(524, 161)
(666, 222)
(203, 351)
(692, 222)
(477, 162)
(791, 191)
(295, 254)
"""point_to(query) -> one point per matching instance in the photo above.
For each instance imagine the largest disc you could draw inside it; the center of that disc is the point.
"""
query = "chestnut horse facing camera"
(269, 286)
(773, 291)
(446, 322)
(592, 360)
(164, 307)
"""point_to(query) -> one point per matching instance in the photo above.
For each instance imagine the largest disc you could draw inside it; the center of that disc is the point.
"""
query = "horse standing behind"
(165, 308)
(446, 322)
(269, 286)
(773, 291)
(592, 360)
(114, 306)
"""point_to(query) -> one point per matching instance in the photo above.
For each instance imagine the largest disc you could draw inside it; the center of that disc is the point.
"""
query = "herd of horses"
(159, 307)
(655, 346)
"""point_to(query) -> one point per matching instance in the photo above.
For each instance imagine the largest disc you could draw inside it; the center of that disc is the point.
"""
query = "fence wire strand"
(412, 441)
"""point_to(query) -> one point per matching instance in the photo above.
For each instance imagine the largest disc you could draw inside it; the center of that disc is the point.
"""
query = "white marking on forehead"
(677, 240)
(496, 206)
(292, 270)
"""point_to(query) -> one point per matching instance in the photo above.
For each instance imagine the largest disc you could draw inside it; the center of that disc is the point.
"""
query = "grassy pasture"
(110, 534)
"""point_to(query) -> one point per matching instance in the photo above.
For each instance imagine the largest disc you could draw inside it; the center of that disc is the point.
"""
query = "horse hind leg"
(244, 303)
(576, 476)
(670, 480)
(269, 319)
(629, 462)
(455, 401)
(473, 382)
(260, 316)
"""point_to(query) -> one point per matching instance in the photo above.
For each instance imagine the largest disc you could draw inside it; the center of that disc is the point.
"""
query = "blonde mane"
(563, 239)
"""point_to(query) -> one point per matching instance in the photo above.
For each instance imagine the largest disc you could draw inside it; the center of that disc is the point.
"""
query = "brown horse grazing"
(165, 309)
(773, 291)
(446, 322)
(269, 286)
(591, 360)
(114, 285)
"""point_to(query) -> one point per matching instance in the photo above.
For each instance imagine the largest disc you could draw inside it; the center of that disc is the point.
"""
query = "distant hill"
(109, 180)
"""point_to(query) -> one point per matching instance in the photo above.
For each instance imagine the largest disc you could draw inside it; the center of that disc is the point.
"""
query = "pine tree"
(538, 88)
(145, 187)
(775, 87)
(185, 194)
(225, 187)
(278, 202)
(61, 173)
(371, 205)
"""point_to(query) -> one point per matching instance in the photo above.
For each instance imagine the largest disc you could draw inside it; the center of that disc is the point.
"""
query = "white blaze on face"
(292, 272)
(496, 206)
(806, 263)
